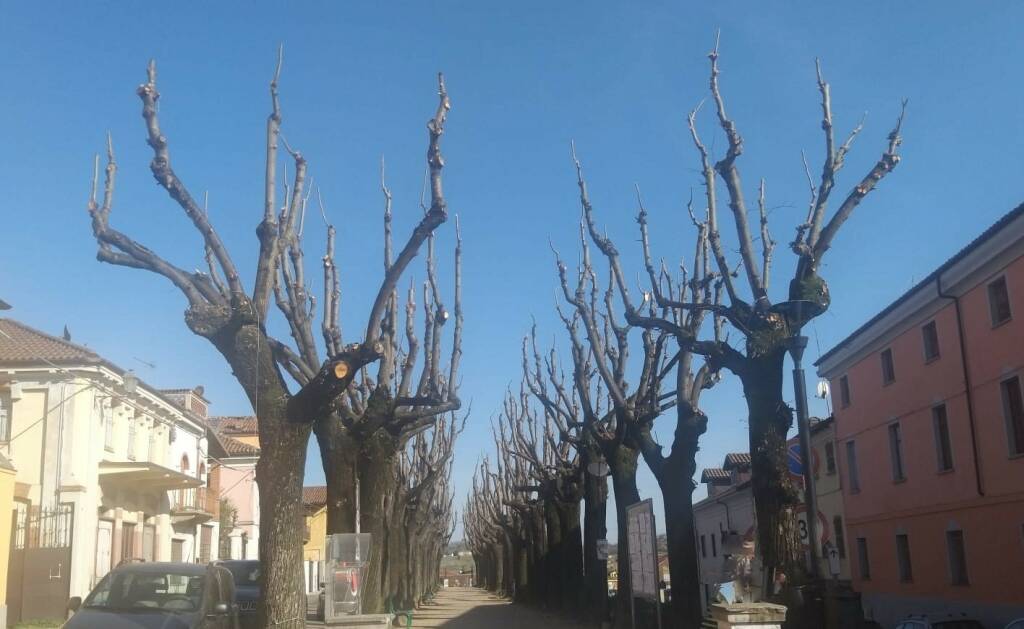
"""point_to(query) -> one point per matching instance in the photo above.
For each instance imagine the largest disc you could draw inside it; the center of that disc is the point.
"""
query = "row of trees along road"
(522, 519)
(391, 433)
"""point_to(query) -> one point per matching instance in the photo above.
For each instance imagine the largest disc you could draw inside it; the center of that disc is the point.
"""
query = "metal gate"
(39, 574)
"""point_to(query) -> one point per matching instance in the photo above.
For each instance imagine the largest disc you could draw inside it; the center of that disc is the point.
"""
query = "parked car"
(247, 575)
(160, 595)
(949, 622)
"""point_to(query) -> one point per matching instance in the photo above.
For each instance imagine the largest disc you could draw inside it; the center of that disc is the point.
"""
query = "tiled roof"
(234, 424)
(737, 460)
(714, 474)
(315, 496)
(234, 447)
(21, 344)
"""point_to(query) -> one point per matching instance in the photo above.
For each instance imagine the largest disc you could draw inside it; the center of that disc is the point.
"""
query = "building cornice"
(993, 250)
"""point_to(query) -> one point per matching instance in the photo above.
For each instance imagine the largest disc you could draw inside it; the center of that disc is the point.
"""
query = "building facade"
(108, 469)
(237, 438)
(930, 433)
(726, 520)
(314, 547)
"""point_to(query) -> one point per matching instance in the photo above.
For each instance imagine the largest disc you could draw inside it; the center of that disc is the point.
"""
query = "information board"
(643, 550)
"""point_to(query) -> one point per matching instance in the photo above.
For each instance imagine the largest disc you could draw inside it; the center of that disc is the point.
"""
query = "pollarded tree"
(234, 320)
(367, 426)
(765, 327)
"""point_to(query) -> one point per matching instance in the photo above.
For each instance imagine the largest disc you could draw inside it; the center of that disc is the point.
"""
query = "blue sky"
(524, 78)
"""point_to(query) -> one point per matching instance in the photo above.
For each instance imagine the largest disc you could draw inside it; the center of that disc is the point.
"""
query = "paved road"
(472, 608)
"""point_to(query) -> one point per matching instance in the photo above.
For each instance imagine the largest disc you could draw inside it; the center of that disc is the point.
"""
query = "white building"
(108, 469)
(726, 521)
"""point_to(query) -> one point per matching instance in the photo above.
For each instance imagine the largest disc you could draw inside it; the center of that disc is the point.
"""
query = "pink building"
(238, 451)
(930, 439)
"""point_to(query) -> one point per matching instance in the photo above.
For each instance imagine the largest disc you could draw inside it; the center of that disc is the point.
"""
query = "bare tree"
(764, 327)
(234, 319)
(362, 438)
(604, 357)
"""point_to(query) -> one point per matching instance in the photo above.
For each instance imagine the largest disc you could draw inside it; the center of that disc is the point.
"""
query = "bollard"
(748, 615)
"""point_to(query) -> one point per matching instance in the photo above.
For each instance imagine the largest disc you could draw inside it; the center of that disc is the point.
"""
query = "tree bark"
(595, 527)
(623, 463)
(572, 556)
(774, 493)
(375, 464)
(279, 472)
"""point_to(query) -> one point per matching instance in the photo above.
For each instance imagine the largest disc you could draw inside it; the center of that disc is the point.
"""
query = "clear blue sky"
(524, 78)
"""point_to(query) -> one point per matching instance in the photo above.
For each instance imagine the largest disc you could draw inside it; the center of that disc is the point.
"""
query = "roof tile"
(314, 496)
(20, 343)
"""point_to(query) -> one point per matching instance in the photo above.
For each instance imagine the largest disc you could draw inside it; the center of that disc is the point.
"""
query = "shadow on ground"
(468, 608)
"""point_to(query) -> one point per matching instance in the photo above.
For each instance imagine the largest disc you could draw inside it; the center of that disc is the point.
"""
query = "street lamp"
(799, 311)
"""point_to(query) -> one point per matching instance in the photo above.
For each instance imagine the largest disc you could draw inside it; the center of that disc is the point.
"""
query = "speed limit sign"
(824, 534)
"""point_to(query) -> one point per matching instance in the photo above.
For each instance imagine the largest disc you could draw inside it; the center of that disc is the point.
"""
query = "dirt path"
(472, 608)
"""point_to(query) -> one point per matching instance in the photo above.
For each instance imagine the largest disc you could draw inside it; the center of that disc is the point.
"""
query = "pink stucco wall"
(929, 502)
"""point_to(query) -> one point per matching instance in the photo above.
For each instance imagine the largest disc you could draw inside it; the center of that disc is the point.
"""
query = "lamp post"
(795, 311)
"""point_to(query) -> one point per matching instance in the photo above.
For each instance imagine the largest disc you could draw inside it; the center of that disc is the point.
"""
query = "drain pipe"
(967, 381)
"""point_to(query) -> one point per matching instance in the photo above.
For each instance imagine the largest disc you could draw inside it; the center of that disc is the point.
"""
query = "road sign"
(643, 553)
(795, 461)
(801, 521)
(832, 554)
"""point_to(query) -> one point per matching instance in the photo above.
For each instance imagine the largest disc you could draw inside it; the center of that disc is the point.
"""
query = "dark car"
(247, 576)
(159, 595)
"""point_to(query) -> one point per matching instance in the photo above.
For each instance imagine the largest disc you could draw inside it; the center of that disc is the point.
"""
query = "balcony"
(191, 504)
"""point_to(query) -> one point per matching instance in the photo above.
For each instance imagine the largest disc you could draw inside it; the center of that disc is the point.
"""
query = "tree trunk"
(572, 556)
(554, 562)
(774, 493)
(675, 478)
(338, 453)
(376, 470)
(595, 527)
(623, 466)
(685, 610)
(279, 474)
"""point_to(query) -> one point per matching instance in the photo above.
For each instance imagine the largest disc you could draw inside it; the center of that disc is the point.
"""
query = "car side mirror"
(74, 603)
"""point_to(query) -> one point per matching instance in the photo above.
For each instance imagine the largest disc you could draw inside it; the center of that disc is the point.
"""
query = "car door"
(219, 608)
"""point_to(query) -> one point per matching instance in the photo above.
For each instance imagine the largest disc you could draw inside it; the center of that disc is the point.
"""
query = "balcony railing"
(192, 501)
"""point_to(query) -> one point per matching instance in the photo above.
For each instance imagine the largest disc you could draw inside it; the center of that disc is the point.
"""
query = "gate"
(39, 574)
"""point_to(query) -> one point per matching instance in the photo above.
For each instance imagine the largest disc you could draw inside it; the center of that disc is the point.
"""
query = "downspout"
(967, 381)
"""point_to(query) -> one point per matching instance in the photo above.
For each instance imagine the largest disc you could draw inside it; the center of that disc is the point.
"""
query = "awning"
(145, 475)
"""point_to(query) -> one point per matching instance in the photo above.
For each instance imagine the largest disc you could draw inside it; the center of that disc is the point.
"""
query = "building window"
(1013, 410)
(943, 446)
(896, 452)
(5, 415)
(862, 559)
(851, 463)
(903, 558)
(127, 541)
(930, 336)
(714, 546)
(999, 301)
(888, 369)
(837, 525)
(131, 438)
(830, 458)
(703, 546)
(957, 557)
(844, 391)
(108, 427)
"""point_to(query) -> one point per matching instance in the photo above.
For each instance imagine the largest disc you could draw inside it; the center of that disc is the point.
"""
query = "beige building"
(108, 469)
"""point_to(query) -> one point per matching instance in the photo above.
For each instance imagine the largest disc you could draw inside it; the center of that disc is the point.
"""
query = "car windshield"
(245, 573)
(146, 591)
